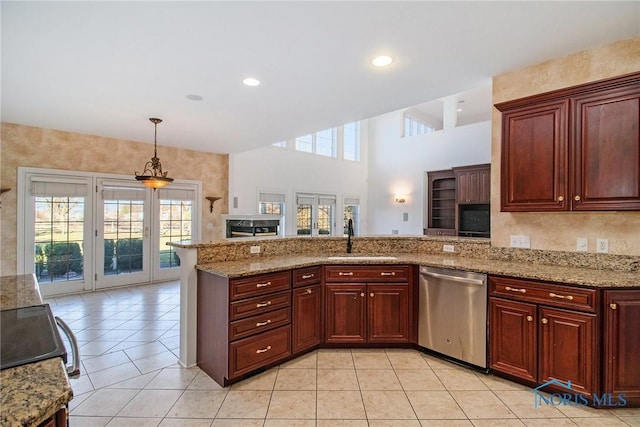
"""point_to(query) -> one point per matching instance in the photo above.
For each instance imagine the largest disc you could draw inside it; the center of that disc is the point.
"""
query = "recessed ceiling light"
(194, 97)
(382, 61)
(459, 109)
(250, 81)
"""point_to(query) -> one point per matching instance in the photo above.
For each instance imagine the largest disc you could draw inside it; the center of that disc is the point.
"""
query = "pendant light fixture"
(152, 176)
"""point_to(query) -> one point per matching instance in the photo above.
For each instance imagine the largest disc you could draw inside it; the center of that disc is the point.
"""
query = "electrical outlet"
(394, 231)
(602, 246)
(582, 244)
(448, 248)
(520, 241)
(254, 249)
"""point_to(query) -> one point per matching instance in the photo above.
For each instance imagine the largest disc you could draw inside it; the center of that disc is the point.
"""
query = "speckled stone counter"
(32, 393)
(563, 274)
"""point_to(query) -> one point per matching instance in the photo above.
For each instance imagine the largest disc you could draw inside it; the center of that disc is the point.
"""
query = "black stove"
(27, 335)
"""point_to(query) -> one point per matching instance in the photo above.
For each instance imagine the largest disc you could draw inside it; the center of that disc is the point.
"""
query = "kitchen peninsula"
(35, 394)
(608, 296)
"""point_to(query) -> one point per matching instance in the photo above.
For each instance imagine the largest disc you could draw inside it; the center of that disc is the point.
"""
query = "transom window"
(414, 126)
(323, 143)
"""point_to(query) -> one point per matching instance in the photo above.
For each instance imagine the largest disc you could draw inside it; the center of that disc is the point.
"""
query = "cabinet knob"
(529, 318)
(544, 321)
(576, 198)
(362, 294)
(561, 198)
(613, 306)
(371, 294)
(308, 291)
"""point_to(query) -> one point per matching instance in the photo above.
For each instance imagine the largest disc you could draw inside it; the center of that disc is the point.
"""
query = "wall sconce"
(400, 198)
(211, 200)
(3, 190)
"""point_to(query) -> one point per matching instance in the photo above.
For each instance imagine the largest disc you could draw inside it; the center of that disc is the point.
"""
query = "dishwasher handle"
(74, 370)
(467, 280)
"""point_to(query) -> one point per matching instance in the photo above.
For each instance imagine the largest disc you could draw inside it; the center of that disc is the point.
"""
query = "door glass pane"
(59, 236)
(123, 233)
(303, 220)
(351, 212)
(325, 219)
(175, 226)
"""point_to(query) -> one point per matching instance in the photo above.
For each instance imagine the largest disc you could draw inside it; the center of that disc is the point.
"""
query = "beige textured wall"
(43, 148)
(558, 231)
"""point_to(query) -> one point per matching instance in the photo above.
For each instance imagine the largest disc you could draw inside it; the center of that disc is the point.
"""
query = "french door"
(80, 231)
(315, 214)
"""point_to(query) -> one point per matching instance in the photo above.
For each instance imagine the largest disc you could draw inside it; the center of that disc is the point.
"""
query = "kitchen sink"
(361, 258)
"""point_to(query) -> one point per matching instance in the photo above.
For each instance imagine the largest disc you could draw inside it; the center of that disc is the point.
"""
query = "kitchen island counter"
(32, 393)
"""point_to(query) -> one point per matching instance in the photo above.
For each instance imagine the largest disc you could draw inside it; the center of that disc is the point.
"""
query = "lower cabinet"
(367, 313)
(621, 345)
(534, 338)
(59, 419)
(307, 317)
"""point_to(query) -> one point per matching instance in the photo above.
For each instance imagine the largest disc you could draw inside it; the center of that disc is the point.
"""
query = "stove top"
(27, 335)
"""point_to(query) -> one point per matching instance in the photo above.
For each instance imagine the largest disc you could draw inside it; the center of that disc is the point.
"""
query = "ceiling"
(104, 68)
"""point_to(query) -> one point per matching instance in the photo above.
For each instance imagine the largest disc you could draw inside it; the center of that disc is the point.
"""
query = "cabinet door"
(473, 184)
(388, 313)
(513, 338)
(569, 348)
(534, 158)
(345, 312)
(621, 344)
(607, 151)
(307, 317)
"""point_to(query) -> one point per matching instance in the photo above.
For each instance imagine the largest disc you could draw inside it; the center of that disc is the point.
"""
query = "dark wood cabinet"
(533, 340)
(473, 184)
(307, 317)
(59, 419)
(621, 344)
(345, 313)
(376, 309)
(573, 149)
(441, 203)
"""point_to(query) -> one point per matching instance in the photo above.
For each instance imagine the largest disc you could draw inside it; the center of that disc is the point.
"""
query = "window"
(315, 214)
(176, 214)
(351, 211)
(323, 143)
(414, 126)
(282, 144)
(271, 204)
(351, 141)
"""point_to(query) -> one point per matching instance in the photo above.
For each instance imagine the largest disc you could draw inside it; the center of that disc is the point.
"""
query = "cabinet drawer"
(259, 305)
(366, 273)
(306, 276)
(582, 299)
(259, 285)
(257, 351)
(256, 324)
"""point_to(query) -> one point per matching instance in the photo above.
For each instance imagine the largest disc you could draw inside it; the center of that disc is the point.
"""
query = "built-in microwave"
(474, 221)
(252, 226)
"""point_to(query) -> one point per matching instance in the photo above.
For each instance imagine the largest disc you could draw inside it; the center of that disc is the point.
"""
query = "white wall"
(398, 166)
(288, 171)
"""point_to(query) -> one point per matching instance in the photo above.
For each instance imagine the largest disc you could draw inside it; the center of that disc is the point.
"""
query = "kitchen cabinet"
(368, 304)
(59, 419)
(543, 331)
(307, 306)
(243, 324)
(441, 203)
(621, 344)
(473, 184)
(576, 149)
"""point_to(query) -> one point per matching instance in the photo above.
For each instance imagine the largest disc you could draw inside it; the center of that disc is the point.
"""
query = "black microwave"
(474, 221)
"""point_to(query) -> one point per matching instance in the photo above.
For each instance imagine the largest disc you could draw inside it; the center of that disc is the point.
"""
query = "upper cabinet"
(473, 184)
(573, 149)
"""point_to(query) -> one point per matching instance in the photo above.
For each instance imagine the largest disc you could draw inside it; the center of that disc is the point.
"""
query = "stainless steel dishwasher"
(453, 314)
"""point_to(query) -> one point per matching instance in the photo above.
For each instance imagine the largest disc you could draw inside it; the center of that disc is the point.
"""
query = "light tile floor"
(129, 341)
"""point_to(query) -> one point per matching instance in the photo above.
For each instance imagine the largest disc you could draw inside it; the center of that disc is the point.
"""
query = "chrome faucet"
(349, 234)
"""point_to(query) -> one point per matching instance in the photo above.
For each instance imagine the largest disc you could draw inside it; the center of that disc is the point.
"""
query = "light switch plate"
(448, 248)
(254, 249)
(582, 244)
(520, 241)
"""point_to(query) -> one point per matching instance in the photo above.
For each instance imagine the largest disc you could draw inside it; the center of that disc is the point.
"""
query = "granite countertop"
(29, 394)
(570, 275)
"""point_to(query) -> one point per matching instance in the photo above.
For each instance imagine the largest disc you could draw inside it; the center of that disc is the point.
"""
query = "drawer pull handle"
(263, 323)
(343, 273)
(308, 276)
(384, 273)
(262, 285)
(544, 321)
(521, 290)
(529, 318)
(263, 304)
(569, 297)
(263, 350)
(613, 306)
(308, 291)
